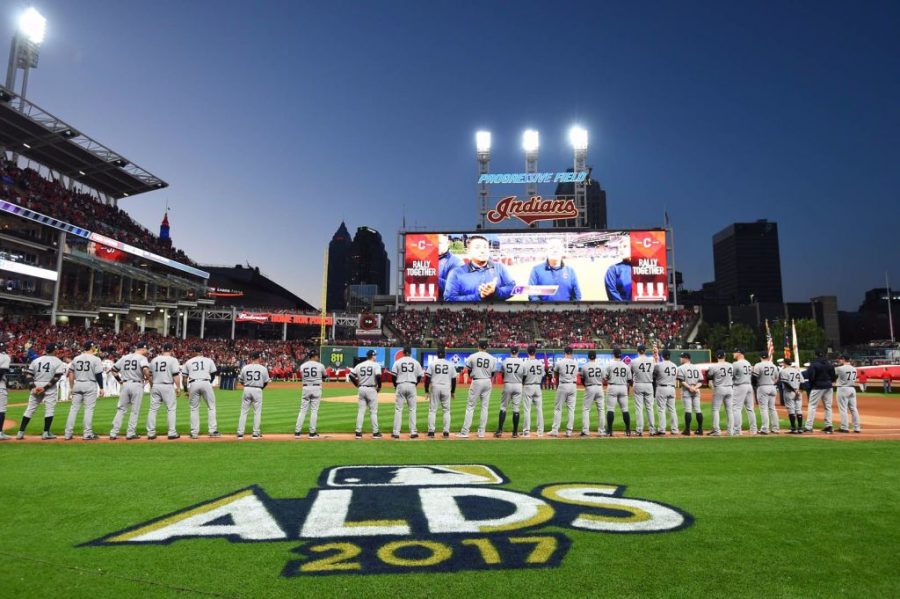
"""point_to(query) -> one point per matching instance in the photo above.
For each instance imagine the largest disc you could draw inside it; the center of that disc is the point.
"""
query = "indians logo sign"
(412, 518)
(533, 210)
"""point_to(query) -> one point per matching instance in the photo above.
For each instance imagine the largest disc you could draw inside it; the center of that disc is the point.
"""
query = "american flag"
(770, 345)
(787, 346)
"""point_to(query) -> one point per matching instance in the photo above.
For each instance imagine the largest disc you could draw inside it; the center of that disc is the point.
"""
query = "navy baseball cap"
(592, 355)
(764, 353)
(197, 349)
(141, 345)
(51, 347)
(407, 350)
(370, 353)
(737, 350)
(568, 350)
(684, 354)
(167, 347)
(665, 354)
(641, 348)
(845, 357)
(441, 352)
(617, 352)
(532, 349)
(482, 344)
(514, 350)
(88, 345)
(313, 352)
(255, 355)
(720, 353)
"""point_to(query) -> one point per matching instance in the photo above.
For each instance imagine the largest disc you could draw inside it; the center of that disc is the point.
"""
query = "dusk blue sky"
(272, 122)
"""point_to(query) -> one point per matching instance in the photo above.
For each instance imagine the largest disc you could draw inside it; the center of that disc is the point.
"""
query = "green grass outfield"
(776, 517)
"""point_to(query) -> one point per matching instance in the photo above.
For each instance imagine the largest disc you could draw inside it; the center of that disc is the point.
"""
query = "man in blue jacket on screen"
(447, 261)
(618, 281)
(482, 279)
(554, 271)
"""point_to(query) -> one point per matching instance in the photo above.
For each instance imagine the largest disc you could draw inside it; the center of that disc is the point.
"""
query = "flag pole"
(887, 284)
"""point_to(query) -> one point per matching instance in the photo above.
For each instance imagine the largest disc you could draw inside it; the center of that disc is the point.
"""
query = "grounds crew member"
(367, 377)
(407, 374)
(642, 375)
(566, 371)
(131, 371)
(690, 379)
(254, 377)
(532, 392)
(846, 390)
(513, 369)
(481, 367)
(664, 377)
(197, 375)
(721, 378)
(765, 375)
(165, 385)
(312, 374)
(618, 377)
(821, 376)
(43, 374)
(743, 393)
(85, 375)
(440, 386)
(592, 379)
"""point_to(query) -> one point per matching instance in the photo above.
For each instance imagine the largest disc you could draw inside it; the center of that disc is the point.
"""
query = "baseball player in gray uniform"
(566, 371)
(132, 371)
(846, 394)
(690, 379)
(532, 392)
(721, 378)
(664, 377)
(592, 379)
(440, 385)
(481, 367)
(367, 377)
(254, 377)
(43, 374)
(5, 363)
(513, 369)
(165, 384)
(642, 375)
(312, 373)
(791, 378)
(85, 375)
(617, 375)
(743, 394)
(406, 373)
(765, 374)
(197, 376)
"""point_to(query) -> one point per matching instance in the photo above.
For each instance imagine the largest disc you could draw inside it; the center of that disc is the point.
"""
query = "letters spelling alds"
(533, 210)
(412, 518)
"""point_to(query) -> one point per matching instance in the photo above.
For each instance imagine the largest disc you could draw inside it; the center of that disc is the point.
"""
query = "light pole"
(25, 48)
(530, 143)
(483, 155)
(578, 136)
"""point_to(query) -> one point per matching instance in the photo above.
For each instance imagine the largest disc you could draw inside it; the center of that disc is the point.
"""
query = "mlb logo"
(412, 476)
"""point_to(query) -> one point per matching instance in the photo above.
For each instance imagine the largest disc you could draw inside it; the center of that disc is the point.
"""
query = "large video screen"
(536, 266)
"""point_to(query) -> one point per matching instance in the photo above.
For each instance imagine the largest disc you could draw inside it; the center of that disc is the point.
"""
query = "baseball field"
(750, 516)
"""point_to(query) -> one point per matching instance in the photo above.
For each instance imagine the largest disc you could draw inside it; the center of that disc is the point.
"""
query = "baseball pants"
(479, 392)
(511, 392)
(617, 395)
(368, 398)
(130, 397)
(565, 394)
(593, 396)
(742, 399)
(847, 402)
(83, 394)
(202, 390)
(793, 401)
(534, 398)
(643, 402)
(406, 396)
(310, 398)
(690, 401)
(162, 394)
(49, 400)
(4, 397)
(765, 397)
(439, 395)
(722, 397)
(826, 396)
(665, 404)
(251, 397)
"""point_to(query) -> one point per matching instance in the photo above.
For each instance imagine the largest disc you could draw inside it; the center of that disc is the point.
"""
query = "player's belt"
(661, 385)
(313, 384)
(197, 381)
(372, 386)
(131, 382)
(598, 385)
(483, 378)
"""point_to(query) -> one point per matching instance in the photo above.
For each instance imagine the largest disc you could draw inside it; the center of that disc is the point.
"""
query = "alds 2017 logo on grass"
(412, 518)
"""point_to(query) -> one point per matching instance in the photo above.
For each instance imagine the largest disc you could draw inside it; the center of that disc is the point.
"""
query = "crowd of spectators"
(27, 188)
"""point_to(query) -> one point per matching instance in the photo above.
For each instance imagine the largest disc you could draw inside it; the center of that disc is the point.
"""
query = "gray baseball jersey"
(689, 374)
(534, 371)
(366, 372)
(163, 370)
(513, 370)
(566, 371)
(664, 373)
(131, 368)
(441, 372)
(618, 373)
(312, 372)
(407, 370)
(4, 365)
(846, 375)
(199, 368)
(791, 376)
(592, 373)
(45, 368)
(254, 375)
(85, 367)
(741, 372)
(642, 370)
(481, 365)
(766, 373)
(721, 374)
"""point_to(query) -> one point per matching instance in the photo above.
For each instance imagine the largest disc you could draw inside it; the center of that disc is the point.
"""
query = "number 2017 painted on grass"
(411, 518)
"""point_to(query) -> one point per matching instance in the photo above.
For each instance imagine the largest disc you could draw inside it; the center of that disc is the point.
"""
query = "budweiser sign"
(533, 210)
(252, 317)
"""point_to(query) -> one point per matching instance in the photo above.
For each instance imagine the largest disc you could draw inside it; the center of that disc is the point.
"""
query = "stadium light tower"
(578, 136)
(25, 48)
(530, 143)
(483, 155)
